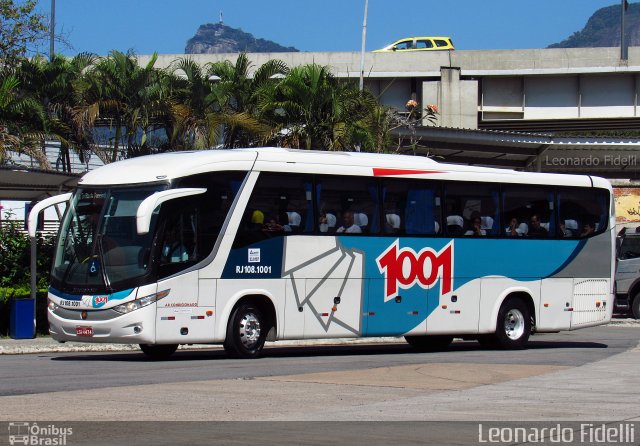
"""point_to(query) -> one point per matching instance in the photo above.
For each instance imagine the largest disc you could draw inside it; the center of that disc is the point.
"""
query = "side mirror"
(146, 208)
(42, 205)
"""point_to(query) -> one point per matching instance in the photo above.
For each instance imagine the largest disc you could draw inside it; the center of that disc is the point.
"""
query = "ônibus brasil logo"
(403, 268)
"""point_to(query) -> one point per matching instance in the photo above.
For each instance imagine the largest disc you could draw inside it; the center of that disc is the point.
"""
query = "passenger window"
(471, 209)
(214, 204)
(582, 212)
(192, 224)
(348, 205)
(422, 44)
(280, 204)
(411, 207)
(528, 212)
(405, 45)
(441, 43)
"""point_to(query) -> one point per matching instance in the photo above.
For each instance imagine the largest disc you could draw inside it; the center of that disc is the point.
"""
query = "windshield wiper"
(103, 272)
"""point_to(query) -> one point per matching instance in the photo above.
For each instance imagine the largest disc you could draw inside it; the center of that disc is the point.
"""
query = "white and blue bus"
(240, 247)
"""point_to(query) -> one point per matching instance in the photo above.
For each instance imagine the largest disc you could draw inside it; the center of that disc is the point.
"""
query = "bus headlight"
(52, 305)
(142, 302)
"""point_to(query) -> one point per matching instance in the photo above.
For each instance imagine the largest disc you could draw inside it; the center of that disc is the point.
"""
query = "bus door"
(180, 315)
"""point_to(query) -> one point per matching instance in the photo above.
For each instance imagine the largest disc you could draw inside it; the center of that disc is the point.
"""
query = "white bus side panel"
(179, 318)
(555, 304)
(456, 312)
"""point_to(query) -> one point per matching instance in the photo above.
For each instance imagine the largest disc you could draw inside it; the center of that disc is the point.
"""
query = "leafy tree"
(52, 82)
(22, 121)
(202, 108)
(127, 97)
(237, 92)
(21, 28)
(313, 110)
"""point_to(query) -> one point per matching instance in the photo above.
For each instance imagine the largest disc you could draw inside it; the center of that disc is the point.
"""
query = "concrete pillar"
(457, 99)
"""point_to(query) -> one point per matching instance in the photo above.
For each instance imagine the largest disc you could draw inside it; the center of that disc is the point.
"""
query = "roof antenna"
(221, 18)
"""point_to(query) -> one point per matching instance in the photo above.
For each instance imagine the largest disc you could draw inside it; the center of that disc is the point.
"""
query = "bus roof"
(168, 166)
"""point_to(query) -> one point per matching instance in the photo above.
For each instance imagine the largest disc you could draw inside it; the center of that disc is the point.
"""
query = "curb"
(31, 346)
(48, 345)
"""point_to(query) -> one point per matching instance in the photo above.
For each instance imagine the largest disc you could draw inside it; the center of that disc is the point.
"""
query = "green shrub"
(15, 255)
(15, 274)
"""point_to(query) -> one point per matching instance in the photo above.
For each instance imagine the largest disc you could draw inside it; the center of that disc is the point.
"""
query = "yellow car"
(419, 44)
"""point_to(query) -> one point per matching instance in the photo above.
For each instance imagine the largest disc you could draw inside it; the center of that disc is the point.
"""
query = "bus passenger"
(535, 229)
(588, 229)
(476, 228)
(515, 229)
(564, 231)
(348, 224)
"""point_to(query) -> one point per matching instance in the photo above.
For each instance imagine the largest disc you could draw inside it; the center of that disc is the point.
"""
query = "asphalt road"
(317, 395)
(55, 372)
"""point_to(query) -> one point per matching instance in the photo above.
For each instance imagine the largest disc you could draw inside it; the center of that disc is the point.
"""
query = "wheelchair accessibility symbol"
(94, 267)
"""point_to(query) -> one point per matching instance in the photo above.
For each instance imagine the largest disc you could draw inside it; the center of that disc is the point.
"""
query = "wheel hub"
(514, 324)
(249, 330)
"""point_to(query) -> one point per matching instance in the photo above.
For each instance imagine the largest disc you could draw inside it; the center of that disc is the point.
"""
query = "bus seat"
(331, 220)
(486, 222)
(572, 225)
(294, 218)
(455, 225)
(360, 219)
(545, 224)
(393, 222)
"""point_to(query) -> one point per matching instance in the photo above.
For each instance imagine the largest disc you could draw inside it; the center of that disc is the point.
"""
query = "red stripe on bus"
(381, 172)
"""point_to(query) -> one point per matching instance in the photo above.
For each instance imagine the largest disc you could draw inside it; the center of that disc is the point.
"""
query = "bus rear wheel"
(245, 332)
(429, 342)
(513, 326)
(158, 352)
(635, 306)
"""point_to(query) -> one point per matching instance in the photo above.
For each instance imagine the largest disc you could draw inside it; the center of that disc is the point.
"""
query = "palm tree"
(130, 98)
(316, 111)
(237, 92)
(52, 82)
(22, 122)
(202, 108)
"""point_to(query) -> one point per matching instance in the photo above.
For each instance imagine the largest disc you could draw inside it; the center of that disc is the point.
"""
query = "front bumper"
(136, 327)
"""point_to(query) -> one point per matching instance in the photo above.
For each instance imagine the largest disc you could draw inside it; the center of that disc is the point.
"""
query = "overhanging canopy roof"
(24, 184)
(603, 156)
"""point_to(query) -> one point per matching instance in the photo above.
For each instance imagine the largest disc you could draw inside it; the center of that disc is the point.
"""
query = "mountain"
(603, 29)
(219, 38)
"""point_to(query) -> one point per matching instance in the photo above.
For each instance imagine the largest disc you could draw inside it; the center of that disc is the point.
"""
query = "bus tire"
(245, 332)
(513, 326)
(635, 306)
(158, 352)
(429, 342)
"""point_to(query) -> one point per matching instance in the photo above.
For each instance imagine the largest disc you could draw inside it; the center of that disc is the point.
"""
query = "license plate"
(84, 331)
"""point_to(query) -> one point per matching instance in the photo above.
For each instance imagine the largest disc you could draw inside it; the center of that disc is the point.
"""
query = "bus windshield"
(99, 247)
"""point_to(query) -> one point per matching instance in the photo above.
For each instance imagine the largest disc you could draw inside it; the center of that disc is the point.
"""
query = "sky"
(164, 26)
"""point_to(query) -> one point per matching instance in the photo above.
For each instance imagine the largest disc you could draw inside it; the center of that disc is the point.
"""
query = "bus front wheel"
(158, 352)
(245, 332)
(429, 343)
(513, 325)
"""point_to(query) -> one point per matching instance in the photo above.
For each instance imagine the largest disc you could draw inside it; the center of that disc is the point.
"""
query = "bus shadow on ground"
(330, 350)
